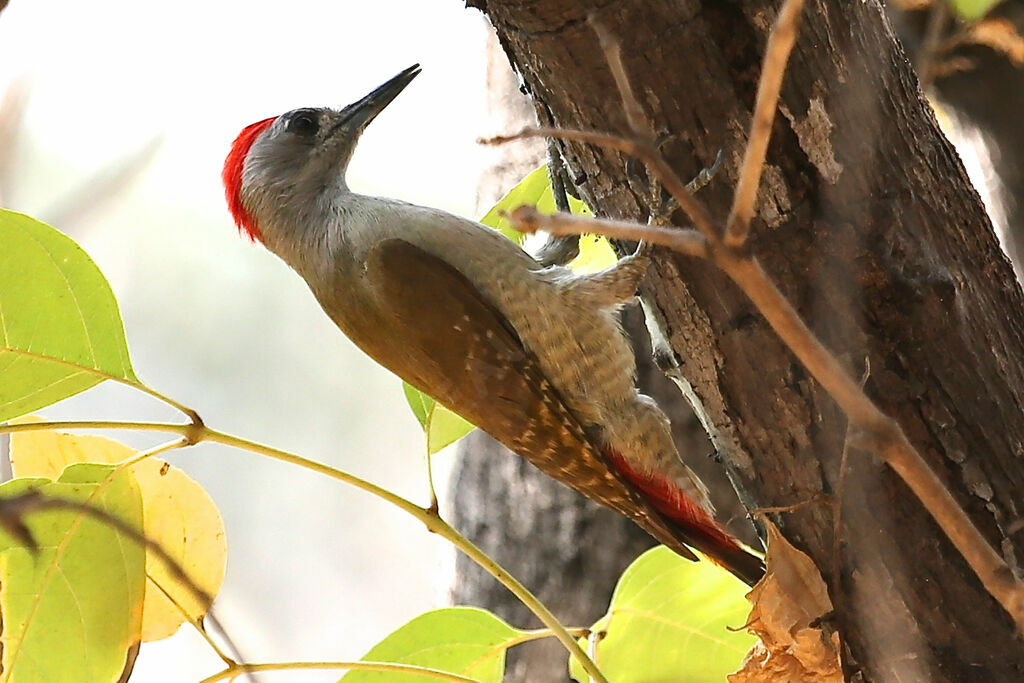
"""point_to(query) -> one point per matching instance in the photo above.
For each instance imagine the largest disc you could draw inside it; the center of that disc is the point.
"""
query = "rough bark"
(867, 222)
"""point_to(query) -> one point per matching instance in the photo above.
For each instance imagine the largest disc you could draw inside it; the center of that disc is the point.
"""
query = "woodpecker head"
(287, 162)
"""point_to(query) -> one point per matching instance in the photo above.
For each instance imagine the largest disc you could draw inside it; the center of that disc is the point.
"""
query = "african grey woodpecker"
(533, 355)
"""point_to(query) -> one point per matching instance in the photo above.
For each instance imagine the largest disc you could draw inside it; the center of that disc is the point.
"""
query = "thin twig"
(434, 523)
(431, 491)
(837, 519)
(877, 431)
(197, 623)
(872, 428)
(837, 497)
(695, 210)
(8, 428)
(527, 219)
(819, 499)
(13, 510)
(542, 633)
(773, 68)
(593, 640)
(638, 123)
(35, 501)
(100, 375)
(556, 250)
(838, 597)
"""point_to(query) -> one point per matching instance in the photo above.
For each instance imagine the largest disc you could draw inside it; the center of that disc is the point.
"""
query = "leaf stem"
(132, 382)
(434, 523)
(191, 414)
(541, 633)
(183, 429)
(239, 669)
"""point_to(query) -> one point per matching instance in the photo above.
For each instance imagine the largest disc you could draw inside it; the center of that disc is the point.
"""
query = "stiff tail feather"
(696, 525)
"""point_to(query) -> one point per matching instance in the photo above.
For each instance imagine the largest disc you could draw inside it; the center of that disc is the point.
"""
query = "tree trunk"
(866, 220)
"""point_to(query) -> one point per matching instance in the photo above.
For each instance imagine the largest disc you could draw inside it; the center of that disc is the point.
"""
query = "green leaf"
(445, 428)
(72, 610)
(533, 190)
(669, 620)
(420, 403)
(528, 191)
(973, 9)
(441, 426)
(60, 330)
(460, 640)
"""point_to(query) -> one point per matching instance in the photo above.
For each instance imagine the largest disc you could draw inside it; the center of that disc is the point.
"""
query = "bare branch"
(780, 44)
(695, 210)
(638, 123)
(685, 241)
(878, 431)
(820, 499)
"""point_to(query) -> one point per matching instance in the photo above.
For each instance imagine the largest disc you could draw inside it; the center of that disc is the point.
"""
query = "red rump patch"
(232, 176)
(673, 504)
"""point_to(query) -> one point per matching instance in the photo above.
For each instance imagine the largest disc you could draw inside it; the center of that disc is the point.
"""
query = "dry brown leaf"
(790, 597)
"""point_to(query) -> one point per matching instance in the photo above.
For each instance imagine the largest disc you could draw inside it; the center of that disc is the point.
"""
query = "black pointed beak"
(358, 115)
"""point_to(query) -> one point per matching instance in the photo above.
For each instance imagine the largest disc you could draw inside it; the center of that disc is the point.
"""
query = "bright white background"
(316, 570)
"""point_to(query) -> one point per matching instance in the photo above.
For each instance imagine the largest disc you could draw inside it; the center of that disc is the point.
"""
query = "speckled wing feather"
(484, 357)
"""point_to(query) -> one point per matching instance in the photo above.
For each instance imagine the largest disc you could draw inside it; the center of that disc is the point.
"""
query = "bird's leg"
(614, 285)
(664, 205)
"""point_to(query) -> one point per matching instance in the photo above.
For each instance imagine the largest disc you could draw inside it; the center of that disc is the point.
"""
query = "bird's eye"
(303, 123)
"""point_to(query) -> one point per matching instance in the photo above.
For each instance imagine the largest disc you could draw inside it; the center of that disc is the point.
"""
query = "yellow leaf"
(177, 513)
(595, 254)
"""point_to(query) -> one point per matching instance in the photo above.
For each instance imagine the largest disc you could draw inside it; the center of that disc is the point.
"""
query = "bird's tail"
(696, 526)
